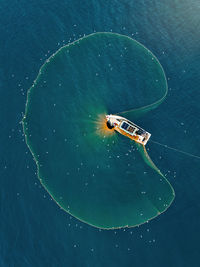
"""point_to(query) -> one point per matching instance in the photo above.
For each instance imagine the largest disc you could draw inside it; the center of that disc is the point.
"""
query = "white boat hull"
(128, 128)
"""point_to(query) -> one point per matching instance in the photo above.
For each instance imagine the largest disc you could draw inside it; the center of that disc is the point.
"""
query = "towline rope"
(175, 149)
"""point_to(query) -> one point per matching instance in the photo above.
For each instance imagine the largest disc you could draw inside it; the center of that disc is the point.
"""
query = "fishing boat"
(127, 128)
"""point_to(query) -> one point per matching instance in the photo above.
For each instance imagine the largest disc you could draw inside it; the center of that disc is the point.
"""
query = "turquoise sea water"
(90, 171)
(34, 231)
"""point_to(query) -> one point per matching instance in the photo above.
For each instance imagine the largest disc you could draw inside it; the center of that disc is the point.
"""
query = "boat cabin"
(127, 127)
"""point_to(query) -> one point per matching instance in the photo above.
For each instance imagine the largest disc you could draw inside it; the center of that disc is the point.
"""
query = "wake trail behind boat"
(175, 149)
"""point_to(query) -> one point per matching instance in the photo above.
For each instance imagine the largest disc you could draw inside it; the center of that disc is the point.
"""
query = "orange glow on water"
(102, 127)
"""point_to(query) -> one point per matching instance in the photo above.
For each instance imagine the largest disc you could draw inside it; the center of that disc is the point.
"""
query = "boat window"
(131, 129)
(124, 125)
(140, 131)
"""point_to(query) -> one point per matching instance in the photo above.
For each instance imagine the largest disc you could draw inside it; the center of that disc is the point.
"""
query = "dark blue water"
(33, 229)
